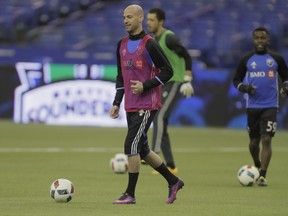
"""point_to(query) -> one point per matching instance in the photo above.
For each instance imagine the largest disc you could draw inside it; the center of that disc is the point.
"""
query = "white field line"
(105, 149)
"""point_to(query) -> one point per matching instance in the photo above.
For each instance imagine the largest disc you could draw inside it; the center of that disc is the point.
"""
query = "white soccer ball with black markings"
(119, 163)
(62, 190)
(248, 175)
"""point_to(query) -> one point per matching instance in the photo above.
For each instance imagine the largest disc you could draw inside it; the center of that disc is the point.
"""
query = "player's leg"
(157, 163)
(136, 138)
(138, 124)
(254, 148)
(166, 148)
(253, 127)
(161, 140)
(174, 183)
(154, 160)
(266, 154)
(156, 146)
(268, 129)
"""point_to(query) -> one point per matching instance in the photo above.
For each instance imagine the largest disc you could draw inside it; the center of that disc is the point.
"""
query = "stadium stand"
(88, 30)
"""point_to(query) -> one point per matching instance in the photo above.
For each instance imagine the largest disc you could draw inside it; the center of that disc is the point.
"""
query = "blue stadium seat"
(220, 30)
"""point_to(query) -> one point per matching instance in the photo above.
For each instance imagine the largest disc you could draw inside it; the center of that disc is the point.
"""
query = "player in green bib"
(177, 87)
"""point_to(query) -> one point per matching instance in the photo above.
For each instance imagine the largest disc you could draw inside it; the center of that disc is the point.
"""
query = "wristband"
(187, 78)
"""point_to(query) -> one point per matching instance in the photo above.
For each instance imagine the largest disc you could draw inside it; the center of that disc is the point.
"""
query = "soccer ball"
(247, 175)
(119, 163)
(62, 190)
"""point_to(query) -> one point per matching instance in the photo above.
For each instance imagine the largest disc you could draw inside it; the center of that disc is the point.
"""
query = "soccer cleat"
(125, 199)
(173, 171)
(173, 189)
(262, 181)
(143, 162)
(155, 172)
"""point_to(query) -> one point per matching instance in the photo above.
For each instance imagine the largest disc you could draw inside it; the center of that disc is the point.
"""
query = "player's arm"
(161, 62)
(173, 43)
(240, 75)
(283, 73)
(119, 86)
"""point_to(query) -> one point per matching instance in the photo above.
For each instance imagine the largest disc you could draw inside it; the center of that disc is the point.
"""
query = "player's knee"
(255, 141)
(144, 153)
(266, 140)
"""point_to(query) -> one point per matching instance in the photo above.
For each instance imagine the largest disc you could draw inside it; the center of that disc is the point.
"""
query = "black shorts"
(261, 121)
(136, 141)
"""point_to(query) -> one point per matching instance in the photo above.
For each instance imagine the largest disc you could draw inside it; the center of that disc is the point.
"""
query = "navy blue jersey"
(262, 71)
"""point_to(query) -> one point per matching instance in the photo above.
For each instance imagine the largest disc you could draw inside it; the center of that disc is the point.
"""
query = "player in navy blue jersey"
(257, 75)
(142, 70)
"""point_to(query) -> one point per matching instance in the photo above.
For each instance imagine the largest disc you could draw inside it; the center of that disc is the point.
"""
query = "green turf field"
(32, 156)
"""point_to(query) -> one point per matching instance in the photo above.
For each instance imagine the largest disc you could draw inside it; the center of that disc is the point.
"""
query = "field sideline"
(32, 156)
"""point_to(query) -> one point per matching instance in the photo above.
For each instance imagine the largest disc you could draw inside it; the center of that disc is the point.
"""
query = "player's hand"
(284, 91)
(114, 112)
(136, 86)
(250, 89)
(187, 89)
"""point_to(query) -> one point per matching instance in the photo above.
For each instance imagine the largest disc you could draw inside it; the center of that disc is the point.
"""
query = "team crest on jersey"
(140, 50)
(128, 63)
(139, 63)
(269, 62)
(271, 73)
(253, 64)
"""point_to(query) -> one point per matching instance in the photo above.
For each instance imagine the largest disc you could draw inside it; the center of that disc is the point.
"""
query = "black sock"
(257, 164)
(170, 178)
(263, 173)
(133, 178)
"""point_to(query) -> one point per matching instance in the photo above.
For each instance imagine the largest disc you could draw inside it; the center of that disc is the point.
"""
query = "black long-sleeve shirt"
(173, 43)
